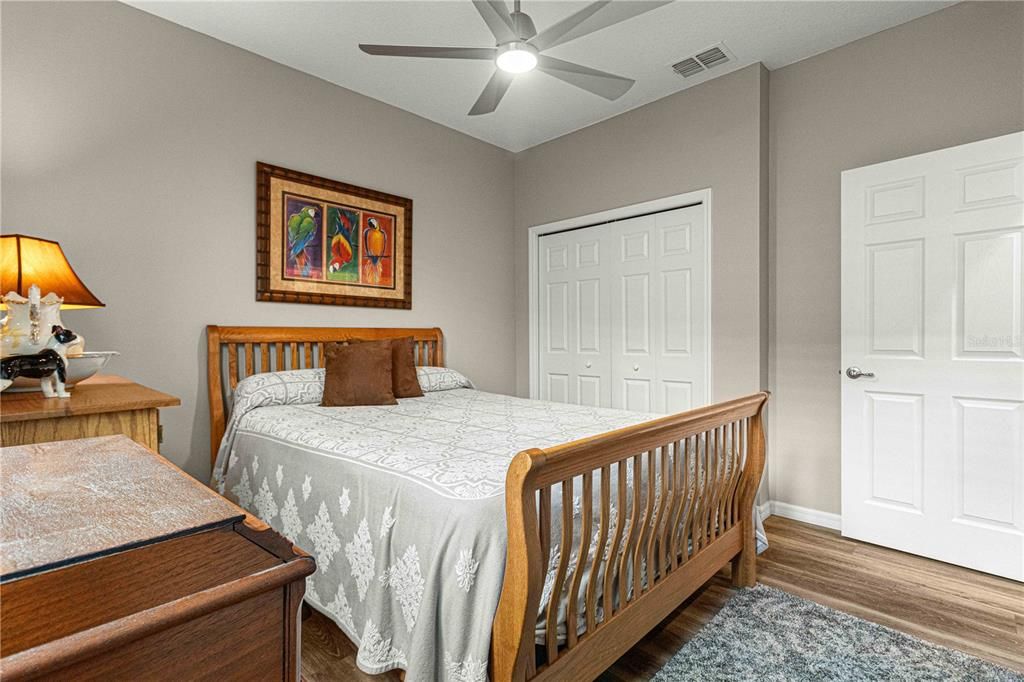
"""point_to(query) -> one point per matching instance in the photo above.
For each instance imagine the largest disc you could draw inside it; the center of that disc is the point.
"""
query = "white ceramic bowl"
(80, 367)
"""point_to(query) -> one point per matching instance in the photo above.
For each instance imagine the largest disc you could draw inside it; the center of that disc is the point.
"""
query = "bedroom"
(131, 135)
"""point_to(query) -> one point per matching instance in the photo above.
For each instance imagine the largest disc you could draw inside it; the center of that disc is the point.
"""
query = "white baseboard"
(805, 514)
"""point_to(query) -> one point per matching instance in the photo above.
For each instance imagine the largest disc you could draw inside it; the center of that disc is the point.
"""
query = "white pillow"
(441, 379)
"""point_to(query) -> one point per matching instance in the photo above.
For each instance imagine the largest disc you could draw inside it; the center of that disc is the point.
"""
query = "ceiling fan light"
(517, 58)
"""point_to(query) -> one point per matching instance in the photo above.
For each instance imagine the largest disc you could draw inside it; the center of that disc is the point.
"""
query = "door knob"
(636, 368)
(856, 373)
(588, 363)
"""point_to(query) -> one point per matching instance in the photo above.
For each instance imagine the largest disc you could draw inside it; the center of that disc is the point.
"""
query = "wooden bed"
(691, 514)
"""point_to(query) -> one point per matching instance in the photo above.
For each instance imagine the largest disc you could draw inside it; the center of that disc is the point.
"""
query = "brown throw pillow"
(358, 374)
(404, 381)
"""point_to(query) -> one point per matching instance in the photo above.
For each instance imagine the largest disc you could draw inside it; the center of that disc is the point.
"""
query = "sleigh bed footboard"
(608, 535)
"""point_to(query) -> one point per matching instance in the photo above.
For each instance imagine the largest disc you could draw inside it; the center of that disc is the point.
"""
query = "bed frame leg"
(744, 564)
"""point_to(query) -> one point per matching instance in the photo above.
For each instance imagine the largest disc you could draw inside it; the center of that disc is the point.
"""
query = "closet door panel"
(680, 344)
(633, 366)
(575, 319)
(557, 307)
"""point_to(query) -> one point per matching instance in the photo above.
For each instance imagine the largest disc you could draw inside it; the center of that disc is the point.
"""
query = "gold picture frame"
(328, 242)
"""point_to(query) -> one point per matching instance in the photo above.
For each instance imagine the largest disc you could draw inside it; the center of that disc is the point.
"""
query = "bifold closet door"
(658, 289)
(623, 313)
(575, 320)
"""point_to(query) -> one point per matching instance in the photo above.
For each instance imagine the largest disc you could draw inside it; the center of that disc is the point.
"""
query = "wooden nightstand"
(104, 405)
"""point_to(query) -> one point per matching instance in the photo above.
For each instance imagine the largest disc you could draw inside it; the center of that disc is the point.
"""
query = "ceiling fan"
(519, 46)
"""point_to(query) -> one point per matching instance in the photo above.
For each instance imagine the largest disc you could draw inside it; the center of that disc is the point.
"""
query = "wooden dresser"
(114, 564)
(102, 405)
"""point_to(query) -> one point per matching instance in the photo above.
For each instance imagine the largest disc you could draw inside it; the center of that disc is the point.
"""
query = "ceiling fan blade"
(593, 17)
(607, 85)
(495, 14)
(495, 89)
(433, 52)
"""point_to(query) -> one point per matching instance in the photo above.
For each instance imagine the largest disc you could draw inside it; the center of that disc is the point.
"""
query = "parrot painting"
(302, 230)
(341, 253)
(343, 242)
(375, 244)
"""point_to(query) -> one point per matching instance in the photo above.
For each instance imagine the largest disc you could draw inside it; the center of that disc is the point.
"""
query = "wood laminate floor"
(956, 607)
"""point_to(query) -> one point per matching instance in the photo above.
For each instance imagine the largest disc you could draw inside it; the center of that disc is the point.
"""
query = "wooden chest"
(117, 565)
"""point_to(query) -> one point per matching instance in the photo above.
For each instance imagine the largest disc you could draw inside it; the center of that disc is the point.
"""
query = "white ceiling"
(321, 38)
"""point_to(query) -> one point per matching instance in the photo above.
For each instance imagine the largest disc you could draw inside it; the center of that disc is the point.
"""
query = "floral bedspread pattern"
(403, 506)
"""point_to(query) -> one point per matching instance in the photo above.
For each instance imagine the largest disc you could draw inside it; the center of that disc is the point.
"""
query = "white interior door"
(932, 314)
(623, 313)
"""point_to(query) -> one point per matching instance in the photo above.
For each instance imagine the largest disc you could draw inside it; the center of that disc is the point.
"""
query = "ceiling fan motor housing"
(522, 24)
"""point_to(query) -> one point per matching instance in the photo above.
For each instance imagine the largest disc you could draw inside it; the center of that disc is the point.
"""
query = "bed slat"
(264, 357)
(627, 572)
(599, 549)
(680, 481)
(544, 525)
(668, 498)
(232, 366)
(586, 512)
(690, 463)
(699, 476)
(564, 550)
(610, 570)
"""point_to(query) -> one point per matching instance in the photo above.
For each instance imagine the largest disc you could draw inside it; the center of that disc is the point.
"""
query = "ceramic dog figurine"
(49, 365)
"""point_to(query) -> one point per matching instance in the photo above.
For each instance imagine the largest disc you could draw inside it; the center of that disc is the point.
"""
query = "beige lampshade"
(25, 261)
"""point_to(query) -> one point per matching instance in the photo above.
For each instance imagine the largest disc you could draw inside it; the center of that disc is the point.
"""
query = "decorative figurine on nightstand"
(48, 365)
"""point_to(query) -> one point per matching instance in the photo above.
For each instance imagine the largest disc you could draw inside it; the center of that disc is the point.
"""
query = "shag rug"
(764, 633)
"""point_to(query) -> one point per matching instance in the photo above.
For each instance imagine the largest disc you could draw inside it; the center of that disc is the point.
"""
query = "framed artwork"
(323, 241)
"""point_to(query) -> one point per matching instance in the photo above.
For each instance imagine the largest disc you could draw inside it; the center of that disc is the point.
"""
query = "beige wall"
(133, 142)
(948, 78)
(712, 135)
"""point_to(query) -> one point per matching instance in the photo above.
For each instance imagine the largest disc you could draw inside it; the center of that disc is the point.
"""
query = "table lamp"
(28, 266)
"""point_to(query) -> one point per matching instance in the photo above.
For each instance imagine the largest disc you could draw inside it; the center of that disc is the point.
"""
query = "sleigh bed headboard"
(233, 353)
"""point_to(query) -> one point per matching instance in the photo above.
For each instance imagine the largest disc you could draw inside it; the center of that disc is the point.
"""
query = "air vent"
(712, 57)
(703, 60)
(688, 67)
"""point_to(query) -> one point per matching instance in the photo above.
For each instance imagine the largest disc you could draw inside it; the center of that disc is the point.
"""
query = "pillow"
(404, 380)
(358, 374)
(441, 379)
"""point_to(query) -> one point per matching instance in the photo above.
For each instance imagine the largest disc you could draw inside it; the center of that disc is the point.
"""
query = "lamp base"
(26, 328)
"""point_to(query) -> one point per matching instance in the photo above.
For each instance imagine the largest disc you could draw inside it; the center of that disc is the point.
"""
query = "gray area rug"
(764, 633)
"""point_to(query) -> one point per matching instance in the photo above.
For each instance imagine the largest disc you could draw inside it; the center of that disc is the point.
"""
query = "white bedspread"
(403, 506)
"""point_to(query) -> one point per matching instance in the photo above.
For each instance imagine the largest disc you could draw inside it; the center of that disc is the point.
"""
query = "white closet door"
(659, 344)
(933, 354)
(623, 313)
(574, 320)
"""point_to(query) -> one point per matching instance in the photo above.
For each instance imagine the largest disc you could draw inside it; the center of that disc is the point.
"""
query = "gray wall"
(952, 77)
(712, 135)
(133, 142)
